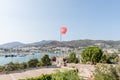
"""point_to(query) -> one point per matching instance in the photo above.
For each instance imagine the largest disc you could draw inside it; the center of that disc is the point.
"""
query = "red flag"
(63, 30)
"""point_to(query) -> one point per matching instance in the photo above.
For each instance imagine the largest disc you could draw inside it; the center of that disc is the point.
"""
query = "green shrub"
(112, 57)
(103, 58)
(2, 68)
(107, 72)
(10, 67)
(72, 57)
(42, 77)
(91, 54)
(45, 61)
(23, 65)
(66, 75)
(33, 62)
(39, 64)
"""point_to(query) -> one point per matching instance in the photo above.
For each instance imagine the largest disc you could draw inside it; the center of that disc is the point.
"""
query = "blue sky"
(34, 20)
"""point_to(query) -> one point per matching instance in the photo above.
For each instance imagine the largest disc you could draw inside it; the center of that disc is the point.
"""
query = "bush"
(91, 54)
(33, 62)
(45, 77)
(2, 68)
(112, 57)
(39, 64)
(103, 58)
(10, 67)
(23, 65)
(72, 57)
(42, 77)
(66, 75)
(45, 61)
(107, 72)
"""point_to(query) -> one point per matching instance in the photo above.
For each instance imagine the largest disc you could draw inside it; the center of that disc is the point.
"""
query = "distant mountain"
(53, 44)
(56, 44)
(100, 43)
(19, 44)
(12, 45)
(85, 43)
(73, 44)
(41, 42)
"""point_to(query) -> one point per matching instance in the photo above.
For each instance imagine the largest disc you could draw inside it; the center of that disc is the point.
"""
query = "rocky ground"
(85, 70)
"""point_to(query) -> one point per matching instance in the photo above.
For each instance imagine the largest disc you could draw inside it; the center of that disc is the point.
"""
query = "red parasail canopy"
(63, 30)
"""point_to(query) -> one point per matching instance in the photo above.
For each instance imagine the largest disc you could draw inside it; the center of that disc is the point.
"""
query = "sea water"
(4, 60)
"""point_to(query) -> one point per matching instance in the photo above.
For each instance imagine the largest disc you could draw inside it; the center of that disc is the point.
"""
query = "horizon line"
(56, 40)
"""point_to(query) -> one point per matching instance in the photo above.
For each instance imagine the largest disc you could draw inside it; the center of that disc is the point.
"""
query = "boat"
(10, 55)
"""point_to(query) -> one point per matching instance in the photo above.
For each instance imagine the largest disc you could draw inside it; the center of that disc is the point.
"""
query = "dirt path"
(85, 71)
(27, 74)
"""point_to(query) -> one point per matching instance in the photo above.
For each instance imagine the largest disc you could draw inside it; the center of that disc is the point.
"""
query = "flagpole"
(60, 41)
(63, 30)
(60, 36)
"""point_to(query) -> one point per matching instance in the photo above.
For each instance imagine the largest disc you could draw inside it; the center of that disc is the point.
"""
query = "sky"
(35, 20)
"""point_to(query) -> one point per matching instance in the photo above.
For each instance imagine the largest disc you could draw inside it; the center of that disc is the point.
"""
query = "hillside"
(12, 45)
(73, 44)
(85, 43)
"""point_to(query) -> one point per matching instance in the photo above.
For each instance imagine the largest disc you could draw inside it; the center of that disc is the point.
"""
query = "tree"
(45, 60)
(91, 54)
(33, 62)
(73, 58)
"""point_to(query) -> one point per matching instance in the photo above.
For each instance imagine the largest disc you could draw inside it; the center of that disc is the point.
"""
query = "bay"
(4, 60)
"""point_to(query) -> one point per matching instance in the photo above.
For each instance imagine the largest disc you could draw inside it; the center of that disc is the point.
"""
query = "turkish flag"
(63, 30)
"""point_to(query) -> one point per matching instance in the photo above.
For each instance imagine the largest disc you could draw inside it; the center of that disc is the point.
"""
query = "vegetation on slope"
(58, 75)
